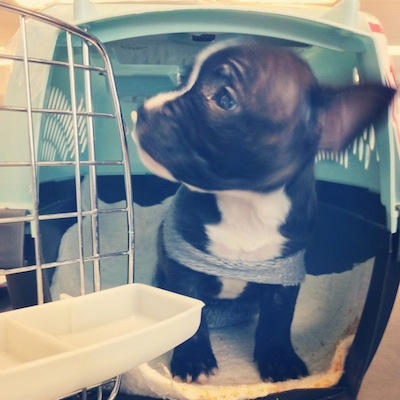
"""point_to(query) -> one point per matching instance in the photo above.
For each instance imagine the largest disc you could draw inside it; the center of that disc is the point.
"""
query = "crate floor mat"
(326, 318)
(327, 313)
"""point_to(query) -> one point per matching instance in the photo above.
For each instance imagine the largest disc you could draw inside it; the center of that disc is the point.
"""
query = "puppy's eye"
(225, 100)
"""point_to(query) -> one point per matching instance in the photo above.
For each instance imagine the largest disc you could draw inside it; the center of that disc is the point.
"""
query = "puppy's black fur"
(241, 136)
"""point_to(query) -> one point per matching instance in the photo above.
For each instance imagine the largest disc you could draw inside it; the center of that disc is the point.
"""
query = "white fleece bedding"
(326, 316)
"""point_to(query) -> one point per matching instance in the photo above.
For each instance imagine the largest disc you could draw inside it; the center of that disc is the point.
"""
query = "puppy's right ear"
(346, 112)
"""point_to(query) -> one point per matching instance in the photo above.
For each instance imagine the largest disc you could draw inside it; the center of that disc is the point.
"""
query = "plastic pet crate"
(65, 166)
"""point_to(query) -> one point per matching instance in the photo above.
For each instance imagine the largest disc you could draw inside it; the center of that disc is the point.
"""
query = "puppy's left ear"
(346, 112)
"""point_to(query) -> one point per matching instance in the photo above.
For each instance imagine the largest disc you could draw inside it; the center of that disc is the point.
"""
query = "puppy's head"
(250, 117)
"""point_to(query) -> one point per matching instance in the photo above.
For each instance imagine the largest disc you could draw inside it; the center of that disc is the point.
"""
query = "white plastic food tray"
(51, 350)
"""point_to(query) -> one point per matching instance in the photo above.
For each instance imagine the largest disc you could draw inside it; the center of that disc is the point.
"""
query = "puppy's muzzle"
(145, 158)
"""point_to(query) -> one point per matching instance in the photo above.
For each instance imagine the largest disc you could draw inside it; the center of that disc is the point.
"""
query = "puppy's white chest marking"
(249, 229)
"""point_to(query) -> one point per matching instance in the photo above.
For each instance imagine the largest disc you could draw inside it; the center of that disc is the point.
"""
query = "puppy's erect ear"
(346, 112)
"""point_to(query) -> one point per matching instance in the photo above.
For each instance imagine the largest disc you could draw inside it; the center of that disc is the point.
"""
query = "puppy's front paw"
(193, 363)
(279, 365)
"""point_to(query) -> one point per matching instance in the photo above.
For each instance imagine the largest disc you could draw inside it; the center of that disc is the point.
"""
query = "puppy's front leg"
(194, 359)
(274, 353)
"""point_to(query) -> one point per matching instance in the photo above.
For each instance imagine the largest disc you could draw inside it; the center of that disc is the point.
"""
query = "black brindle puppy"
(241, 136)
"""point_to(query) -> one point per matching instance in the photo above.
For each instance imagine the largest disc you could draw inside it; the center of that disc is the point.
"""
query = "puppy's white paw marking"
(202, 379)
(231, 288)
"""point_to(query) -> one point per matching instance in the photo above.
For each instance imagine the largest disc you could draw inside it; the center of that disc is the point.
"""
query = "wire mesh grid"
(48, 141)
(50, 151)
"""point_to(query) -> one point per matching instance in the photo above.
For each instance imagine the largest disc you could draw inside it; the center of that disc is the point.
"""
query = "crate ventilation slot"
(57, 142)
(363, 148)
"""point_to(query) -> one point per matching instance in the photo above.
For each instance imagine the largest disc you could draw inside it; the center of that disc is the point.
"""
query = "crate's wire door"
(58, 138)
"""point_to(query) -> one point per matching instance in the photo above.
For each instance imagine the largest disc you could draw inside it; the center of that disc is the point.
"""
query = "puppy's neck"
(250, 225)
